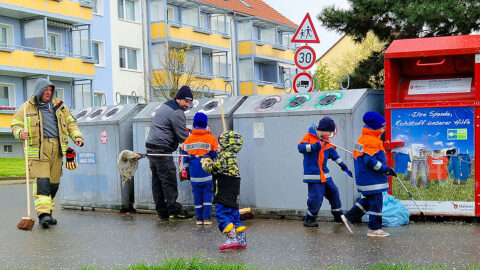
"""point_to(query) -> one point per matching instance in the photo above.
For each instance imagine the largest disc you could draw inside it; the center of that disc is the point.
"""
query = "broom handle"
(223, 117)
(25, 152)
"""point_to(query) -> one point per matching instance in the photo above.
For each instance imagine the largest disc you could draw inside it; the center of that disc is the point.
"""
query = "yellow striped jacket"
(67, 126)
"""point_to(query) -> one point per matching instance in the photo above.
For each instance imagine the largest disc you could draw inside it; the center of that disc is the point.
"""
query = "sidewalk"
(107, 240)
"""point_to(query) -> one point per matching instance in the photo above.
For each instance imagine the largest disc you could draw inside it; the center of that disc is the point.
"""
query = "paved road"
(98, 239)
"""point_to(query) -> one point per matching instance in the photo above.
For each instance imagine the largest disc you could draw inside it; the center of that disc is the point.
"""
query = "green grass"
(203, 264)
(435, 192)
(12, 167)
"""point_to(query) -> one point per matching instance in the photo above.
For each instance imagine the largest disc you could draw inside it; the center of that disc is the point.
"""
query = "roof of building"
(256, 8)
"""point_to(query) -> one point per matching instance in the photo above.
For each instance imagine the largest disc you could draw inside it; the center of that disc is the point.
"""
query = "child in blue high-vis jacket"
(371, 174)
(227, 192)
(316, 149)
(200, 144)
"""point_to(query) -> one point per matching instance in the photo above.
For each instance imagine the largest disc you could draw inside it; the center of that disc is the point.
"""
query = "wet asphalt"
(108, 240)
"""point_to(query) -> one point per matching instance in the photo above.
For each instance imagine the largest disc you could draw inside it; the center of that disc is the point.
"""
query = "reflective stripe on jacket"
(315, 161)
(370, 162)
(67, 126)
(199, 144)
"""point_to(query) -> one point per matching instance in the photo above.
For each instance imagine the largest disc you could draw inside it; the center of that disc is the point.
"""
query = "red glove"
(71, 157)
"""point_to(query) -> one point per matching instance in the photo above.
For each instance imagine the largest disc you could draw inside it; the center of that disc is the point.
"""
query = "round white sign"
(305, 57)
(303, 83)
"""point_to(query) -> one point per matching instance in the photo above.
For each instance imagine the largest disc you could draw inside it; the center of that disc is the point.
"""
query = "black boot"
(45, 220)
(310, 221)
(53, 221)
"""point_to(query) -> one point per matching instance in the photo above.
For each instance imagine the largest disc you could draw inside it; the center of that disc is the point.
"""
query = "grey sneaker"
(377, 233)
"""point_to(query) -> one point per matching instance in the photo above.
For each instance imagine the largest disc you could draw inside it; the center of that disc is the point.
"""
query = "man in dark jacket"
(167, 131)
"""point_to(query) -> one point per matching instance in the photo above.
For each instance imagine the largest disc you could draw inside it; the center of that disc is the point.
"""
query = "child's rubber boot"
(242, 240)
(231, 242)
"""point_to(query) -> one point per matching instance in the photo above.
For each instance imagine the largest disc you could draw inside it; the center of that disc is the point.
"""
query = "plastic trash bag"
(394, 213)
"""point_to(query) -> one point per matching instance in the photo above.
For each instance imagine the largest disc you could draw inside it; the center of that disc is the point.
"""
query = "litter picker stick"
(348, 151)
(220, 100)
(404, 187)
(411, 197)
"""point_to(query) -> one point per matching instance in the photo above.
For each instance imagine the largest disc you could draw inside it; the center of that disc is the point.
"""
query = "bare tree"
(175, 69)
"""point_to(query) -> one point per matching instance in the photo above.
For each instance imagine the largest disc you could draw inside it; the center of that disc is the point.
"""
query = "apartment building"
(43, 38)
(240, 47)
(118, 50)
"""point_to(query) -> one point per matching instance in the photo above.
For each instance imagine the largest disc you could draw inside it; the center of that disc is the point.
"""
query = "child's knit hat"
(374, 120)
(326, 124)
(200, 120)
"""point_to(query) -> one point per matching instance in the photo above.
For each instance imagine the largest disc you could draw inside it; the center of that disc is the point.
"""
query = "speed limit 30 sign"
(305, 57)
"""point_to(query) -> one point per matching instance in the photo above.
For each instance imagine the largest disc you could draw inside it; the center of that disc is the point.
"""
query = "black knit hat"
(326, 124)
(184, 93)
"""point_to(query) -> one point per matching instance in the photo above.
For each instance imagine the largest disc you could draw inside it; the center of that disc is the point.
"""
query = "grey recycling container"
(96, 182)
(271, 166)
(141, 127)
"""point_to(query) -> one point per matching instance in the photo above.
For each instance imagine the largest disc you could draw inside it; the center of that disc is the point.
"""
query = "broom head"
(26, 223)
(127, 164)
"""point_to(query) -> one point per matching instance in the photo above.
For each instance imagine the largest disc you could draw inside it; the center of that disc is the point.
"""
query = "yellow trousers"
(46, 172)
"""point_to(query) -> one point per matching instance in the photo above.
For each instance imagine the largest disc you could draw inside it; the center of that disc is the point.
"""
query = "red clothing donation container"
(432, 98)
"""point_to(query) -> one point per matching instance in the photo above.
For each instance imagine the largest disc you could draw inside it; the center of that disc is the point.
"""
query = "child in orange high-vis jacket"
(371, 174)
(200, 144)
(316, 149)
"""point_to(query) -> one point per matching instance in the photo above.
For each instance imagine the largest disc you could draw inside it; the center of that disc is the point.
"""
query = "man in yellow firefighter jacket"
(49, 124)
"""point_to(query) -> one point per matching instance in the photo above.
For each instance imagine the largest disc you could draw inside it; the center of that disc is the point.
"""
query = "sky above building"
(297, 9)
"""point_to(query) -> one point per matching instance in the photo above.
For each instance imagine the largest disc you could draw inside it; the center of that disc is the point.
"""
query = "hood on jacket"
(313, 130)
(230, 141)
(40, 87)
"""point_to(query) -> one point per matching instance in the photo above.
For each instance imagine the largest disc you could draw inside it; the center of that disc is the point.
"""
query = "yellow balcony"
(245, 48)
(214, 84)
(247, 88)
(69, 67)
(65, 8)
(6, 118)
(189, 35)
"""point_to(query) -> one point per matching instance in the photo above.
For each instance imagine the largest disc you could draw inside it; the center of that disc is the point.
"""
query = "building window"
(59, 93)
(7, 95)
(128, 58)
(207, 63)
(127, 9)
(205, 20)
(6, 34)
(173, 13)
(7, 148)
(97, 7)
(99, 99)
(124, 99)
(98, 52)
(54, 42)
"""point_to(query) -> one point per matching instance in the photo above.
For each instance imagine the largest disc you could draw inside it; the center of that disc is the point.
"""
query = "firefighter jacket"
(370, 163)
(316, 153)
(198, 145)
(67, 126)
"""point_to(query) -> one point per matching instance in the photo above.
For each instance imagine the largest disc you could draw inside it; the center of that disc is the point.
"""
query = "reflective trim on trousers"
(373, 187)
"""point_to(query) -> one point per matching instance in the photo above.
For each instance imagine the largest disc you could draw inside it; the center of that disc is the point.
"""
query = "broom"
(127, 162)
(28, 222)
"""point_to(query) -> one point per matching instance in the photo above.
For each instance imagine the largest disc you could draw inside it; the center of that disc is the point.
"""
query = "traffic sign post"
(303, 83)
(305, 57)
(306, 32)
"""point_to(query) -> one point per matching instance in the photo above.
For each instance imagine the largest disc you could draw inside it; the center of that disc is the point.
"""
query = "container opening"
(297, 101)
(328, 99)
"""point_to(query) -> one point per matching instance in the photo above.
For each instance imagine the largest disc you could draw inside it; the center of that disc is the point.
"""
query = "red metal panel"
(434, 46)
(430, 59)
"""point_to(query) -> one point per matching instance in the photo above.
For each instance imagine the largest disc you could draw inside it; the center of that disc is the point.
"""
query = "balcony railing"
(291, 46)
(197, 28)
(45, 53)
